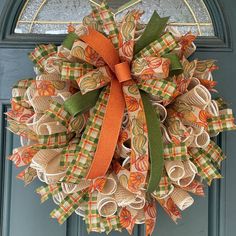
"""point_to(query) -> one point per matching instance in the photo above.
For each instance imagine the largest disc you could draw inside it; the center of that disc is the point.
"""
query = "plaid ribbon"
(72, 71)
(162, 88)
(206, 168)
(160, 47)
(174, 152)
(48, 191)
(105, 17)
(58, 113)
(70, 152)
(164, 187)
(111, 223)
(68, 206)
(41, 54)
(214, 152)
(223, 122)
(57, 140)
(79, 166)
(92, 217)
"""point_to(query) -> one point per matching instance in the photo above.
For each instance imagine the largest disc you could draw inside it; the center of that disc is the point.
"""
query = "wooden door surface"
(21, 211)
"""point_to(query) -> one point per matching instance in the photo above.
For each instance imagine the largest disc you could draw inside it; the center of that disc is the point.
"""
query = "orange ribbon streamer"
(116, 104)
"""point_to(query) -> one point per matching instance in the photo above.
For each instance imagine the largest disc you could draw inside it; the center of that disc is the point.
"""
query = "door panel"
(21, 211)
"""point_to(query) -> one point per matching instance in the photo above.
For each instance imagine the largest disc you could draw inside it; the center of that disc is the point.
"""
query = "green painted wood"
(21, 211)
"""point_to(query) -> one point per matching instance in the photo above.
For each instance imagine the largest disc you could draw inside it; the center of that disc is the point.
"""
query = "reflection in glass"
(53, 16)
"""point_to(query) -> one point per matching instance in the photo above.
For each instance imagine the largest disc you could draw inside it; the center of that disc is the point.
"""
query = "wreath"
(118, 120)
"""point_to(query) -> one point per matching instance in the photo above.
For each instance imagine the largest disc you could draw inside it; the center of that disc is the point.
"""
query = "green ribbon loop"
(155, 143)
(79, 103)
(69, 40)
(153, 31)
(176, 67)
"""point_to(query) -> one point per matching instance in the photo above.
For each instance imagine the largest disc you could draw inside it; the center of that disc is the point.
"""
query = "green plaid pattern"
(214, 152)
(88, 144)
(92, 218)
(174, 152)
(57, 112)
(223, 122)
(41, 54)
(204, 165)
(111, 223)
(48, 191)
(70, 152)
(72, 71)
(160, 47)
(57, 140)
(68, 206)
(162, 88)
(164, 186)
(105, 18)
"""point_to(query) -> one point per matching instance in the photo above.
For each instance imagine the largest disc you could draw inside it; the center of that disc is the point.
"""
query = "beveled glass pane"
(53, 16)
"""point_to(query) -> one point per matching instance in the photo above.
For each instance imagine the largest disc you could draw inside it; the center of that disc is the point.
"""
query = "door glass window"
(53, 16)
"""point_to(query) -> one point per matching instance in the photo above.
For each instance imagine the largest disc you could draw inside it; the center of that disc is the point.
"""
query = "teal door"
(21, 211)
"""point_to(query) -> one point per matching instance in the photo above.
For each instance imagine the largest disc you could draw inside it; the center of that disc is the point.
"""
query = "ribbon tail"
(153, 30)
(109, 132)
(155, 143)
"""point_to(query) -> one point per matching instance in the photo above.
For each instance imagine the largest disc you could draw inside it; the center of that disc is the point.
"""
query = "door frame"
(12, 10)
(8, 39)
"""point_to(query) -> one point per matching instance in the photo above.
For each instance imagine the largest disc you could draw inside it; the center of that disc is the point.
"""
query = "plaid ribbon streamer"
(214, 152)
(70, 152)
(111, 223)
(57, 140)
(48, 191)
(165, 186)
(104, 15)
(92, 217)
(41, 54)
(68, 206)
(87, 146)
(162, 88)
(72, 71)
(57, 112)
(160, 47)
(174, 152)
(223, 122)
(203, 162)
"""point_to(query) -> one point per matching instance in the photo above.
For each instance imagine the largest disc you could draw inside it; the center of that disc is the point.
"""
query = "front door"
(21, 211)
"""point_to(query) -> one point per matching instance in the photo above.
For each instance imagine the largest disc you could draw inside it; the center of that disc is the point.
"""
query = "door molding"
(221, 42)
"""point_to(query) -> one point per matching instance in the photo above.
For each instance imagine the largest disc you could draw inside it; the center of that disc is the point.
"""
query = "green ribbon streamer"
(153, 31)
(69, 40)
(176, 67)
(79, 103)
(155, 143)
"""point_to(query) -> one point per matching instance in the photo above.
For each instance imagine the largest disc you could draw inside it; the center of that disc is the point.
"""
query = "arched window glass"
(53, 16)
